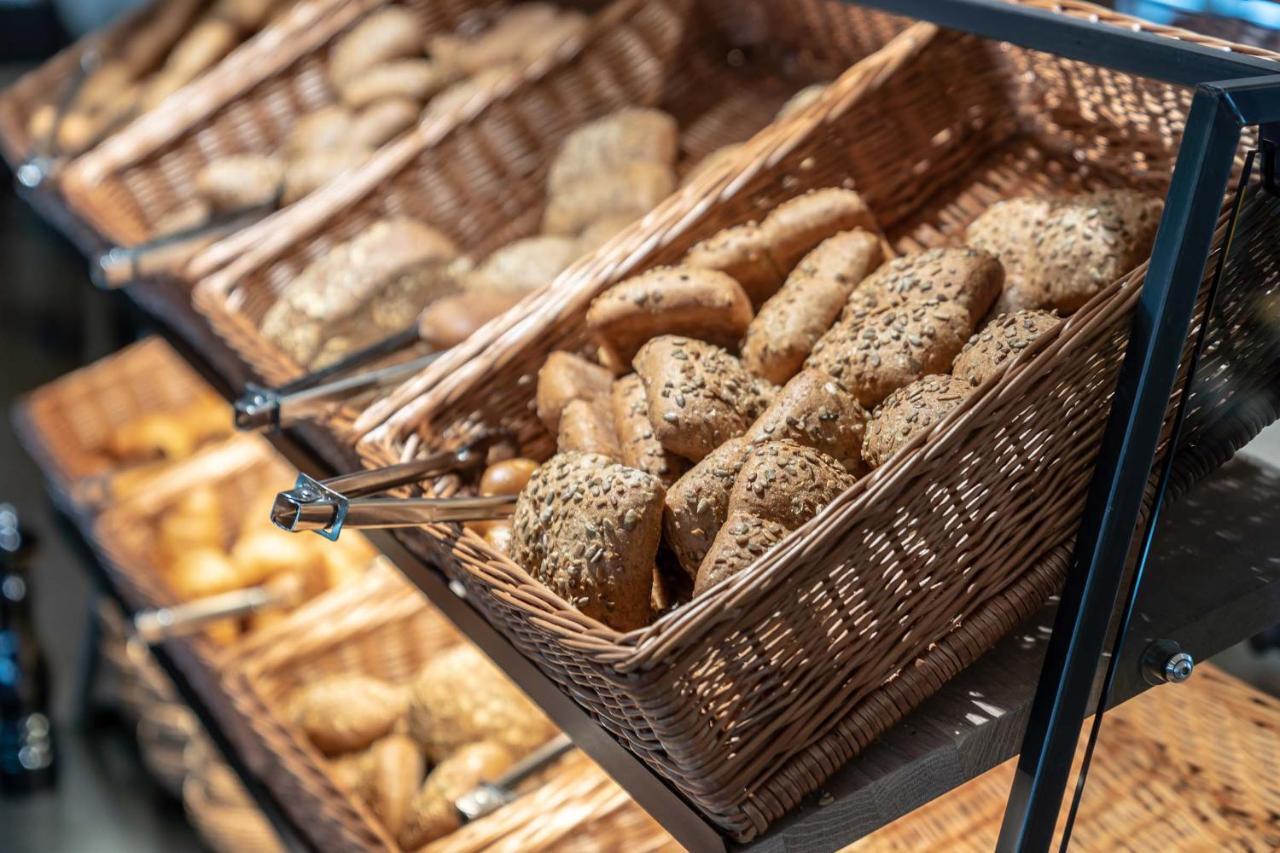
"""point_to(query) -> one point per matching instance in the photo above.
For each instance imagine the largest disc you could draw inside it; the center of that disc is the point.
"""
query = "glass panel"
(1193, 762)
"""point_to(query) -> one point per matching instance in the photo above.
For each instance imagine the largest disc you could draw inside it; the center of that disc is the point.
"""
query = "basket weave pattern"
(924, 564)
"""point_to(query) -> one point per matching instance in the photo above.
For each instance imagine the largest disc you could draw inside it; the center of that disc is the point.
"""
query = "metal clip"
(122, 265)
(488, 797)
(261, 408)
(328, 506)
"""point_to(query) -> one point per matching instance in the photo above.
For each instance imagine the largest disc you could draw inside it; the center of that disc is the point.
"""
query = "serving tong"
(162, 623)
(328, 506)
(488, 797)
(46, 159)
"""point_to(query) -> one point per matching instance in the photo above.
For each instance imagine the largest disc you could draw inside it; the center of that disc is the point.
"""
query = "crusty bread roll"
(999, 342)
(741, 253)
(432, 813)
(327, 127)
(963, 275)
(589, 528)
(703, 304)
(392, 775)
(696, 504)
(450, 320)
(699, 395)
(632, 188)
(878, 353)
(306, 173)
(346, 712)
(782, 335)
(522, 266)
(587, 427)
(565, 377)
(910, 411)
(240, 181)
(382, 121)
(392, 32)
(1007, 230)
(629, 135)
(637, 442)
(414, 78)
(781, 486)
(503, 42)
(815, 410)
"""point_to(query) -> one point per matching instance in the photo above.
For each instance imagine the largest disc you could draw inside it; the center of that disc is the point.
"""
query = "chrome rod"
(488, 797)
(154, 626)
(322, 515)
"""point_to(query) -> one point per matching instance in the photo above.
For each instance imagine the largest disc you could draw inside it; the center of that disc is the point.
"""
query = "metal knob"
(1164, 662)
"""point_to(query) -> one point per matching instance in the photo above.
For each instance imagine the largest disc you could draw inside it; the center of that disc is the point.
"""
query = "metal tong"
(154, 626)
(166, 255)
(441, 325)
(45, 157)
(488, 797)
(328, 506)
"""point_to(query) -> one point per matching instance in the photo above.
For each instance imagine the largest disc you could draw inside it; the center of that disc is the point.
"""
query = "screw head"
(1178, 668)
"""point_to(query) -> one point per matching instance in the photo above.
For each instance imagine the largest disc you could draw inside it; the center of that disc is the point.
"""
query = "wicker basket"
(220, 809)
(478, 172)
(923, 565)
(66, 424)
(1212, 787)
(381, 626)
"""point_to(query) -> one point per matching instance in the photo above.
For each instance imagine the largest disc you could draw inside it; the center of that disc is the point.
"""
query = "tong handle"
(154, 626)
(488, 797)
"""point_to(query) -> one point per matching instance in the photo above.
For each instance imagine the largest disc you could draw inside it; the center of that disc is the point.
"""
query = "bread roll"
(588, 528)
(966, 276)
(602, 230)
(793, 319)
(522, 266)
(697, 503)
(202, 572)
(202, 46)
(308, 172)
(632, 188)
(432, 814)
(507, 477)
(450, 320)
(382, 121)
(637, 443)
(876, 354)
(565, 377)
(392, 32)
(815, 410)
(699, 395)
(703, 304)
(248, 15)
(741, 253)
(240, 181)
(327, 127)
(1089, 243)
(910, 411)
(1000, 342)
(781, 486)
(341, 713)
(524, 32)
(796, 226)
(392, 777)
(630, 135)
(587, 426)
(460, 697)
(414, 79)
(1007, 230)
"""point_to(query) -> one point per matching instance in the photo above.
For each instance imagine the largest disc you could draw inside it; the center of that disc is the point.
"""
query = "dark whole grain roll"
(637, 442)
(696, 504)
(999, 342)
(963, 275)
(815, 410)
(909, 411)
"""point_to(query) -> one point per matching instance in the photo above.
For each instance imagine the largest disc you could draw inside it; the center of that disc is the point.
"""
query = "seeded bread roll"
(966, 276)
(432, 814)
(781, 486)
(588, 528)
(382, 121)
(815, 410)
(909, 411)
(587, 427)
(522, 266)
(1089, 243)
(630, 135)
(634, 188)
(1008, 230)
(460, 697)
(699, 395)
(239, 181)
(637, 443)
(796, 226)
(327, 127)
(791, 322)
(742, 254)
(392, 32)
(999, 342)
(883, 351)
(702, 304)
(415, 79)
(697, 503)
(309, 172)
(565, 377)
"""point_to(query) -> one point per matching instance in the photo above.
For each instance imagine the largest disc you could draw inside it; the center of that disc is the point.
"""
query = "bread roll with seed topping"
(637, 442)
(629, 135)
(910, 411)
(699, 395)
(694, 303)
(815, 410)
(741, 253)
(876, 354)
(963, 275)
(587, 426)
(999, 342)
(697, 503)
(796, 226)
(782, 335)
(781, 486)
(589, 528)
(632, 188)
(565, 377)
(1007, 230)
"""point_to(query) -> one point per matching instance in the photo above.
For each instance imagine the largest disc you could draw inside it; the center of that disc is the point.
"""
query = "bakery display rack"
(1030, 694)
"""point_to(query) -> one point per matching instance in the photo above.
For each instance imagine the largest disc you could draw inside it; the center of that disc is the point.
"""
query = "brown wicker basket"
(921, 566)
(1212, 787)
(381, 626)
(220, 809)
(66, 424)
(478, 172)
